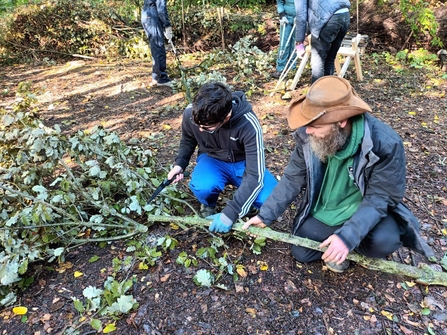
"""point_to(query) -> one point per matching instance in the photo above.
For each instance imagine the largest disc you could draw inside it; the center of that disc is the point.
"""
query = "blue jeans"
(210, 176)
(380, 242)
(325, 48)
(285, 49)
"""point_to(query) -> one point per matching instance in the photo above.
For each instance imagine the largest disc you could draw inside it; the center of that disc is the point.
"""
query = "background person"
(352, 167)
(286, 11)
(155, 21)
(230, 152)
(327, 21)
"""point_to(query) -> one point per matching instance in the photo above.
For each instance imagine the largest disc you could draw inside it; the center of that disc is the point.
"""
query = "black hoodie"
(238, 139)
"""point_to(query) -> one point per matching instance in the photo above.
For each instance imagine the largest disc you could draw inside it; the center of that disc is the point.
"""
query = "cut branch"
(423, 274)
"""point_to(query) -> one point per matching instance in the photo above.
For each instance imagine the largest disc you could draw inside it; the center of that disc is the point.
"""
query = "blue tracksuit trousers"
(210, 176)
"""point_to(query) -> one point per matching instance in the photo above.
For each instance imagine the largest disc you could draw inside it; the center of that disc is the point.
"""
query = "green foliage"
(204, 278)
(186, 260)
(257, 245)
(405, 60)
(110, 302)
(244, 57)
(58, 191)
(167, 243)
(63, 27)
(421, 19)
(422, 58)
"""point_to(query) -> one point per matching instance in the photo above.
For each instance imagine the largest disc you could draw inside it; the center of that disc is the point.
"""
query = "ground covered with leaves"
(267, 292)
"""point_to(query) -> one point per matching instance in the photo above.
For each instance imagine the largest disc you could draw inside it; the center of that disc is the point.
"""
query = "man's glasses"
(208, 129)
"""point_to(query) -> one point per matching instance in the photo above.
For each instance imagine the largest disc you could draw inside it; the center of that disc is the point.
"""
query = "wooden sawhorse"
(350, 52)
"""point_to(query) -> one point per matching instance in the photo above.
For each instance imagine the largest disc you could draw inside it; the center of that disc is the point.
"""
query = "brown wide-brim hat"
(330, 99)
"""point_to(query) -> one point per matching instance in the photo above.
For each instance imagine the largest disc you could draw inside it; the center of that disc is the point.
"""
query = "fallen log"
(423, 274)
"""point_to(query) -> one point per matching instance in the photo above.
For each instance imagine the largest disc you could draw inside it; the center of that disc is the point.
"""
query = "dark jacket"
(313, 15)
(378, 171)
(156, 12)
(238, 139)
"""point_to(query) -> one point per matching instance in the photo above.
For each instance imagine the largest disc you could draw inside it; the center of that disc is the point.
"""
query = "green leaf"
(79, 306)
(94, 258)
(204, 278)
(57, 252)
(8, 273)
(91, 292)
(96, 324)
(7, 120)
(94, 171)
(23, 266)
(260, 241)
(431, 331)
(425, 311)
(123, 304)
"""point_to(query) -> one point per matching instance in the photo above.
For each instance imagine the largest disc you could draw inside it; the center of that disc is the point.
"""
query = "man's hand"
(221, 223)
(168, 34)
(337, 250)
(176, 172)
(255, 221)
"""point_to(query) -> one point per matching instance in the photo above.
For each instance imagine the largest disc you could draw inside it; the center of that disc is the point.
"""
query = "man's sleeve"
(292, 182)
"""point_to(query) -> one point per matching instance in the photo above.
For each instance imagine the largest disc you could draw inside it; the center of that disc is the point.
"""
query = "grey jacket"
(312, 15)
(378, 171)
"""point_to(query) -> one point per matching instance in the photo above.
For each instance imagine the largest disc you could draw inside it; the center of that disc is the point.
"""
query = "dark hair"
(211, 104)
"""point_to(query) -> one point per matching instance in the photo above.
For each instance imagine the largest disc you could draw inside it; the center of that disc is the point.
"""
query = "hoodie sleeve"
(188, 142)
(250, 135)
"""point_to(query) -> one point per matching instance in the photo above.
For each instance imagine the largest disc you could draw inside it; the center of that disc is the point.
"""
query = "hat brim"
(302, 112)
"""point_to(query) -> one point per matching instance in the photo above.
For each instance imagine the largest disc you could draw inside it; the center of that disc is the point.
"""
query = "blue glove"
(221, 223)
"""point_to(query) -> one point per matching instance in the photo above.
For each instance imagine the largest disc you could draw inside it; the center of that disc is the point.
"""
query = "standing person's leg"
(382, 241)
(154, 33)
(208, 179)
(284, 46)
(315, 230)
(334, 32)
(291, 46)
(319, 49)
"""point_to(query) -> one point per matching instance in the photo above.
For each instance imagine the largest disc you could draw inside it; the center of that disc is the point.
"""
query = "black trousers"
(383, 240)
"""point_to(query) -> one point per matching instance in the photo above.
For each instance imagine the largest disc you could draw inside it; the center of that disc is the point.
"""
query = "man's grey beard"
(330, 144)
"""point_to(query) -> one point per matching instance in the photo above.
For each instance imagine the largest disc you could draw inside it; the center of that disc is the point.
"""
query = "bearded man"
(352, 168)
